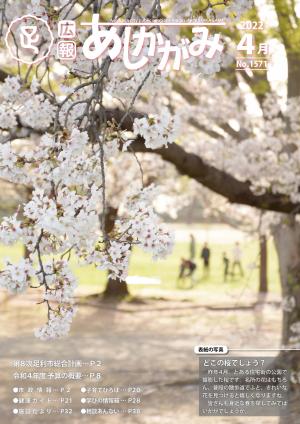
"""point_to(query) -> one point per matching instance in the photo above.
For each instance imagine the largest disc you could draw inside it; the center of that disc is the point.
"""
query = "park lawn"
(166, 271)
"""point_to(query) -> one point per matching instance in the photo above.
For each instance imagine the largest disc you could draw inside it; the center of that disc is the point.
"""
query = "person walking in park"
(205, 256)
(192, 247)
(237, 259)
(226, 266)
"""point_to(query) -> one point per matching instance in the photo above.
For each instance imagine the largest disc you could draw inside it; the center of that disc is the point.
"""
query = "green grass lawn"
(141, 264)
(167, 270)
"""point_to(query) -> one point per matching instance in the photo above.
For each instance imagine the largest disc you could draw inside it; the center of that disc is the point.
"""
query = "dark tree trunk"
(115, 289)
(287, 241)
(263, 265)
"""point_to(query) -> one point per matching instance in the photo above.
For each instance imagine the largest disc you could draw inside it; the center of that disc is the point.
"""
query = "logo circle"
(21, 39)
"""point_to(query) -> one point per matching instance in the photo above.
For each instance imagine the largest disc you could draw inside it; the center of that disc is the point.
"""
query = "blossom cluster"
(65, 171)
(15, 277)
(58, 325)
(157, 130)
(33, 109)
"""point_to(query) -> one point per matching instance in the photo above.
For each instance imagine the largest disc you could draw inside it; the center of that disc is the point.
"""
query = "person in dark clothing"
(187, 269)
(226, 266)
(192, 247)
(205, 256)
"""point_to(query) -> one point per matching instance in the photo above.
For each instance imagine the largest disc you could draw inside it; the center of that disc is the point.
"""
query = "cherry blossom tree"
(254, 159)
(66, 106)
(86, 112)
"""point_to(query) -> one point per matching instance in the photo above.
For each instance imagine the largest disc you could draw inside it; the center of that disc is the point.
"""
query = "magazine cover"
(150, 211)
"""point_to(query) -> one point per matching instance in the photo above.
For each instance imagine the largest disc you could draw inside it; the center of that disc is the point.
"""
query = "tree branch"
(195, 167)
